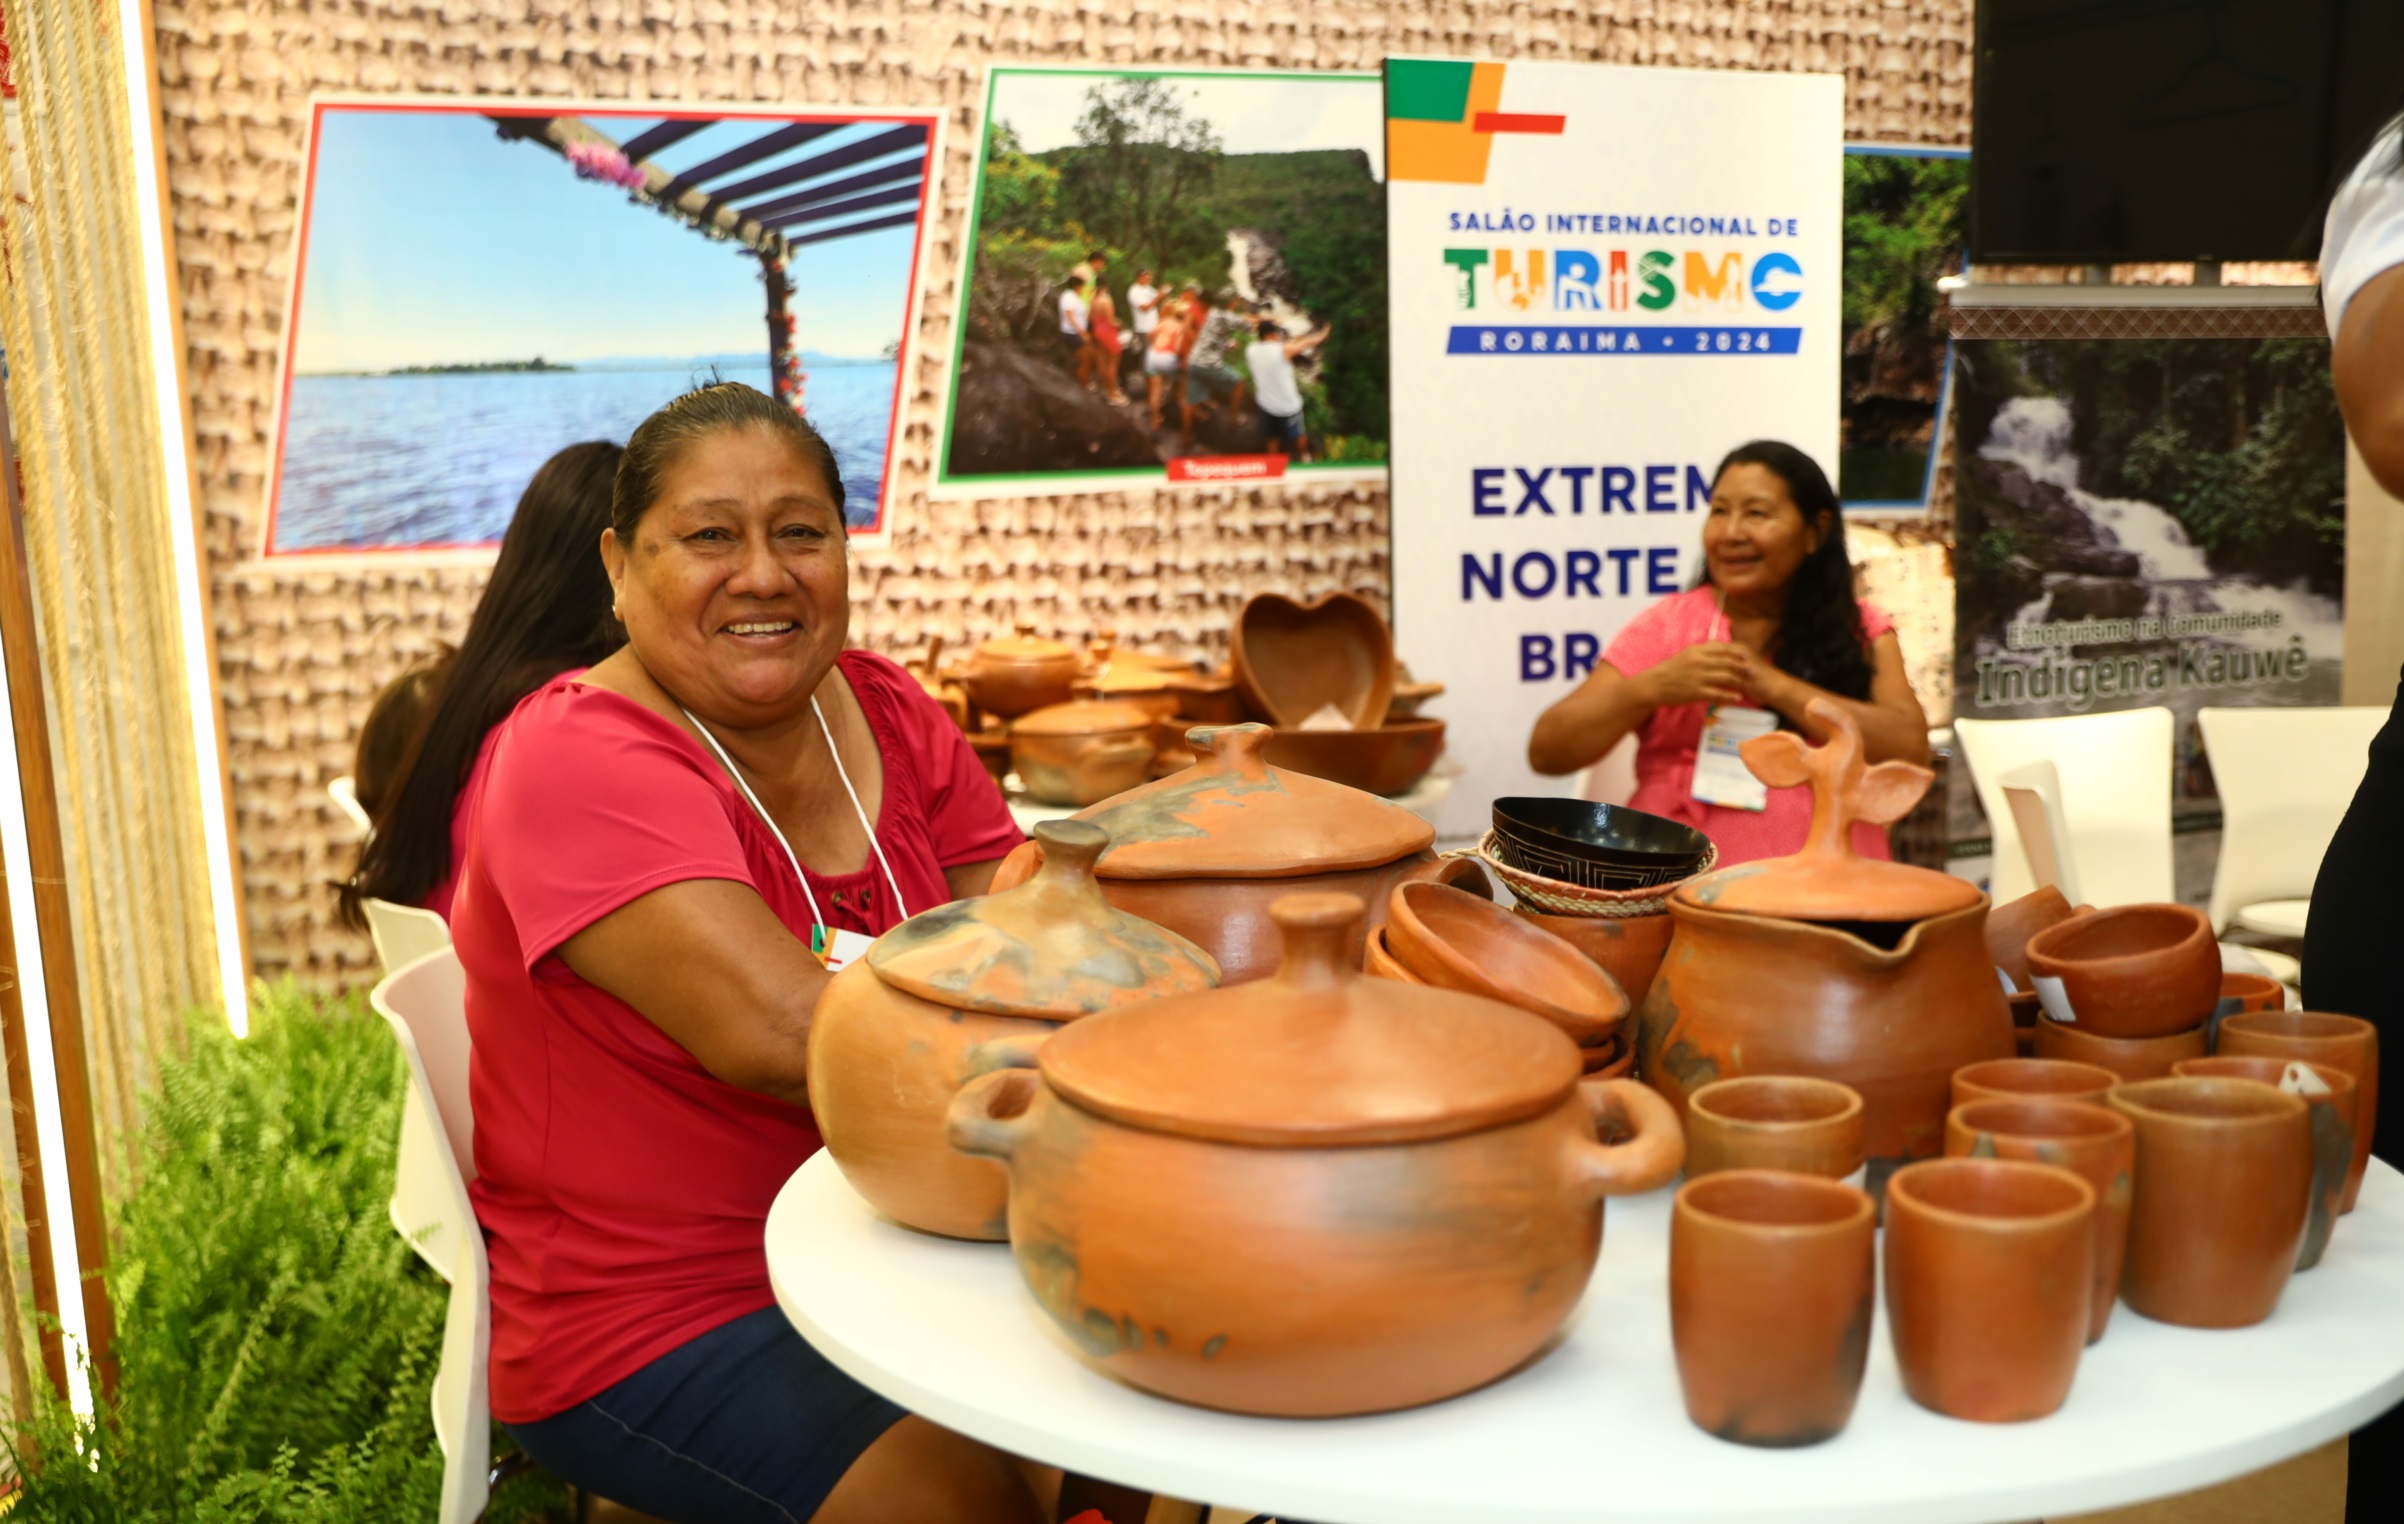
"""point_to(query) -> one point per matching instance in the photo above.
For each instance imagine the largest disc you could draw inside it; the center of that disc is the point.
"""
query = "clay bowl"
(1388, 760)
(1774, 1121)
(2132, 1058)
(1455, 940)
(2340, 1042)
(1409, 695)
(2010, 926)
(1598, 846)
(1379, 963)
(1293, 659)
(2251, 992)
(2013, 1079)
(2132, 971)
(1629, 948)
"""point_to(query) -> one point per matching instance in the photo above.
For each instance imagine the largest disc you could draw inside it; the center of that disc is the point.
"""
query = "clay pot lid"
(1825, 881)
(1083, 717)
(1023, 648)
(1052, 947)
(1317, 1054)
(1232, 815)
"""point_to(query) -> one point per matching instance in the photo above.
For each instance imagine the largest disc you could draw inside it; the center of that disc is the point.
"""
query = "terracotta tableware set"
(2084, 1137)
(2128, 989)
(1204, 852)
(2223, 1193)
(2334, 1099)
(1990, 1276)
(1872, 974)
(961, 989)
(2337, 1042)
(1770, 1281)
(2011, 1079)
(1166, 1181)
(1774, 1122)
(1456, 940)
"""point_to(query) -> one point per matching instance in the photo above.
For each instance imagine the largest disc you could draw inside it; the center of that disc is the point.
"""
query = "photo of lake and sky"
(468, 305)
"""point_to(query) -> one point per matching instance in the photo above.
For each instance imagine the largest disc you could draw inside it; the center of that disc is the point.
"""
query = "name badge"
(837, 948)
(1720, 774)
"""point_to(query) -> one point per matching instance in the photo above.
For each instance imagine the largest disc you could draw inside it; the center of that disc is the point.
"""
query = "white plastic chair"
(404, 934)
(2112, 778)
(344, 791)
(2033, 793)
(424, 1002)
(2285, 779)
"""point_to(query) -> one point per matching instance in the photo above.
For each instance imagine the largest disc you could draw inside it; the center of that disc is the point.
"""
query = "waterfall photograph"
(2147, 522)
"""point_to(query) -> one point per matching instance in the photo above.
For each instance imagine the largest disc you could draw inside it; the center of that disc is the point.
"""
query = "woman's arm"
(1894, 728)
(2368, 362)
(1582, 728)
(972, 879)
(707, 962)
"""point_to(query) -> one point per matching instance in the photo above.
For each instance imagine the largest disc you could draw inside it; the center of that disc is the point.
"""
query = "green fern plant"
(276, 1340)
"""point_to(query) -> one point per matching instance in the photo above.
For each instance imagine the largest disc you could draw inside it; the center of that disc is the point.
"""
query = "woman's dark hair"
(1820, 636)
(545, 610)
(394, 721)
(663, 437)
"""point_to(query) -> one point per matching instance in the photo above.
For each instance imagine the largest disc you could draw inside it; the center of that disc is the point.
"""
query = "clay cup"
(2012, 1079)
(1770, 1280)
(2250, 992)
(2336, 1042)
(1770, 1121)
(2132, 1058)
(2096, 1144)
(2223, 1190)
(2334, 1099)
(1990, 1266)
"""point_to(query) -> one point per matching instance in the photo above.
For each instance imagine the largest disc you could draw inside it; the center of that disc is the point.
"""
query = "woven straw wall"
(303, 650)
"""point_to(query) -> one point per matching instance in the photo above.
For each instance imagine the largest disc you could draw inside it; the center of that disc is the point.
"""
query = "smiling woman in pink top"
(1773, 625)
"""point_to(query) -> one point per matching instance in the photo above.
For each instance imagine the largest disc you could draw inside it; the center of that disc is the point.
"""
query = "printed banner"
(478, 285)
(1602, 280)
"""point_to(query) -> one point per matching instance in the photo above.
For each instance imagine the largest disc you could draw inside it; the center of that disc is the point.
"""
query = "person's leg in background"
(2351, 967)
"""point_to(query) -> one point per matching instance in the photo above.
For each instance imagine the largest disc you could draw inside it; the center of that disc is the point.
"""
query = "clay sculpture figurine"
(1203, 852)
(1872, 974)
(1319, 1194)
(957, 991)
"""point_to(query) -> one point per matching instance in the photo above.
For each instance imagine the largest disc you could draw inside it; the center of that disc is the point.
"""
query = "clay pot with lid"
(1872, 974)
(1082, 752)
(1019, 674)
(1205, 851)
(1321, 1194)
(960, 990)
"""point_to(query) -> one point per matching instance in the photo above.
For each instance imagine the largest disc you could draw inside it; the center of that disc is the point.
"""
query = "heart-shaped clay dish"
(1293, 659)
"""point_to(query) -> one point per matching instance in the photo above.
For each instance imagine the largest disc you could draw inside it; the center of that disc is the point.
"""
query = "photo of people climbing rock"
(1174, 274)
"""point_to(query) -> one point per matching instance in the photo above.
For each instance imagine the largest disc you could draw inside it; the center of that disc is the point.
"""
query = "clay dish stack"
(1451, 939)
(2129, 989)
(1323, 673)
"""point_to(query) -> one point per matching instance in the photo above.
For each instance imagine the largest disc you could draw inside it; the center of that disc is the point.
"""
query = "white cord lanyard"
(777, 831)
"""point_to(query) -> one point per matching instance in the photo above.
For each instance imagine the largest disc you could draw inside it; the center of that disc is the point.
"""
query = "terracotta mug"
(2334, 1098)
(2338, 1042)
(2011, 1079)
(2250, 992)
(1770, 1278)
(2132, 1058)
(1990, 1266)
(1774, 1121)
(2224, 1187)
(2095, 1144)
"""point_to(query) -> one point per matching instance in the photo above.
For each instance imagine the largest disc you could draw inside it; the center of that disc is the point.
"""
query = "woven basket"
(1554, 897)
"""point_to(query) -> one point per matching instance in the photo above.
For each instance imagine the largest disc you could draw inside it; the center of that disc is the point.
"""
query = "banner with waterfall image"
(2147, 522)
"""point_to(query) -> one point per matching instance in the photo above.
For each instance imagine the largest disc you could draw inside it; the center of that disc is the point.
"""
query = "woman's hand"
(1715, 672)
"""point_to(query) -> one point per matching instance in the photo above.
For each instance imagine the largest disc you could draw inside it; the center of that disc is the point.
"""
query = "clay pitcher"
(1872, 974)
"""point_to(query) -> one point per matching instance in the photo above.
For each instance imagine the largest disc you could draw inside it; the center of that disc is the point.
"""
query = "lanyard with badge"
(830, 945)
(1720, 774)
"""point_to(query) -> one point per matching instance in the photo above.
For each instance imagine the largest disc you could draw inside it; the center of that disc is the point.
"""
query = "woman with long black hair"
(1771, 625)
(545, 610)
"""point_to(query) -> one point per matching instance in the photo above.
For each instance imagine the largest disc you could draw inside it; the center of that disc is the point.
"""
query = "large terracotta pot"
(1018, 674)
(1872, 974)
(1082, 752)
(1206, 851)
(962, 989)
(1322, 1194)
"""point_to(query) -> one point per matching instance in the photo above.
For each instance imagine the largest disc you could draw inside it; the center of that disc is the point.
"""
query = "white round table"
(1594, 1429)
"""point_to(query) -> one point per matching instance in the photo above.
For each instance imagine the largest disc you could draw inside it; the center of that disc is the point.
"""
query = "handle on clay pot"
(989, 1117)
(1651, 1146)
(1013, 1052)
